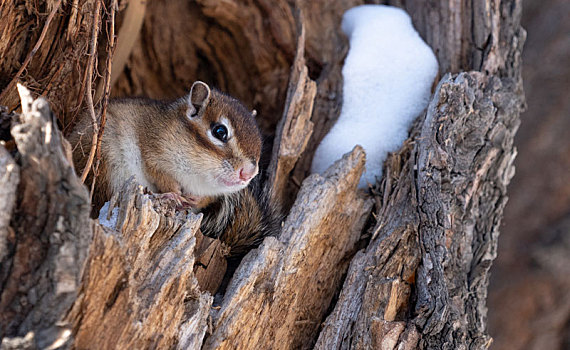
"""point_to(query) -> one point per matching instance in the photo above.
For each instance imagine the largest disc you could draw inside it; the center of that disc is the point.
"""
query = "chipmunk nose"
(248, 171)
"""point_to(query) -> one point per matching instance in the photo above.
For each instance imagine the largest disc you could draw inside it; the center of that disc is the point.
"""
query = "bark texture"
(417, 278)
(430, 258)
(242, 47)
(45, 46)
(138, 289)
(50, 230)
(529, 303)
(282, 290)
(295, 128)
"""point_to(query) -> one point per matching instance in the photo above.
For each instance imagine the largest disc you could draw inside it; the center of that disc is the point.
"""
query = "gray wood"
(138, 289)
(427, 265)
(42, 265)
(282, 290)
(9, 179)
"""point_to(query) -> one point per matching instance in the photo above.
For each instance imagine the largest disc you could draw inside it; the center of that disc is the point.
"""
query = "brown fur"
(167, 138)
(162, 130)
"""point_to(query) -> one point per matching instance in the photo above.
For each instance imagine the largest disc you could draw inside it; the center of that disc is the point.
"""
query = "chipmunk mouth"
(233, 182)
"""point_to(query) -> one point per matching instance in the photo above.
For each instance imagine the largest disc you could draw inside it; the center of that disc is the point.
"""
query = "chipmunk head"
(228, 139)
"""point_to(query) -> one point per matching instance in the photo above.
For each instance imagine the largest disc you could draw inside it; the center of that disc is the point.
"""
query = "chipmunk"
(202, 151)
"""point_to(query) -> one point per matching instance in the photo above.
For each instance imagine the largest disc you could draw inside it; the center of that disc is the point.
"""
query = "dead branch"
(128, 34)
(295, 127)
(107, 88)
(89, 92)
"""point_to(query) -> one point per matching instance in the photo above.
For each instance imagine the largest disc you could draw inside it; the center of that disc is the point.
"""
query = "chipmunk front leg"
(169, 190)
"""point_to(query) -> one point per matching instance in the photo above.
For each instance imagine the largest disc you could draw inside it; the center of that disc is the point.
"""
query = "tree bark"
(50, 230)
(139, 290)
(418, 275)
(429, 259)
(282, 290)
(51, 64)
(529, 303)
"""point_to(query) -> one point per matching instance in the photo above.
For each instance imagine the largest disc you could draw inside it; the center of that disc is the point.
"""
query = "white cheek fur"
(208, 185)
(208, 182)
(224, 121)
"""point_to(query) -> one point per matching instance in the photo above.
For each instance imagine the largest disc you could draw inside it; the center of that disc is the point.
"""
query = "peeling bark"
(427, 264)
(282, 290)
(138, 289)
(51, 230)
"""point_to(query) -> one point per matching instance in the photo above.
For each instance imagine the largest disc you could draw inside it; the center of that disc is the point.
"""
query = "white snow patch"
(112, 222)
(388, 74)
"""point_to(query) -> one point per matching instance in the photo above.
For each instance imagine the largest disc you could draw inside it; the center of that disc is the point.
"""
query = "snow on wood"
(435, 240)
(388, 74)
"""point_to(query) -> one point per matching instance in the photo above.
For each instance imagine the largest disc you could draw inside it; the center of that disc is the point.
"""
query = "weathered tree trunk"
(424, 275)
(529, 303)
(420, 277)
(138, 289)
(47, 238)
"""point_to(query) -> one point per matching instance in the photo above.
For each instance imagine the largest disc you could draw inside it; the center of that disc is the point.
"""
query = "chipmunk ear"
(198, 98)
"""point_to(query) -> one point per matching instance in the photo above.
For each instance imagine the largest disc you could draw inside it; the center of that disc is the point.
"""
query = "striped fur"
(243, 219)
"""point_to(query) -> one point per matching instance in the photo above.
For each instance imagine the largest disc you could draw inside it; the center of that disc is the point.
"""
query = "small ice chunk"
(112, 222)
(388, 74)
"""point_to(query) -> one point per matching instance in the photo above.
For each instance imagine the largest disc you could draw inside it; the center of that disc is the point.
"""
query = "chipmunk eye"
(220, 132)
